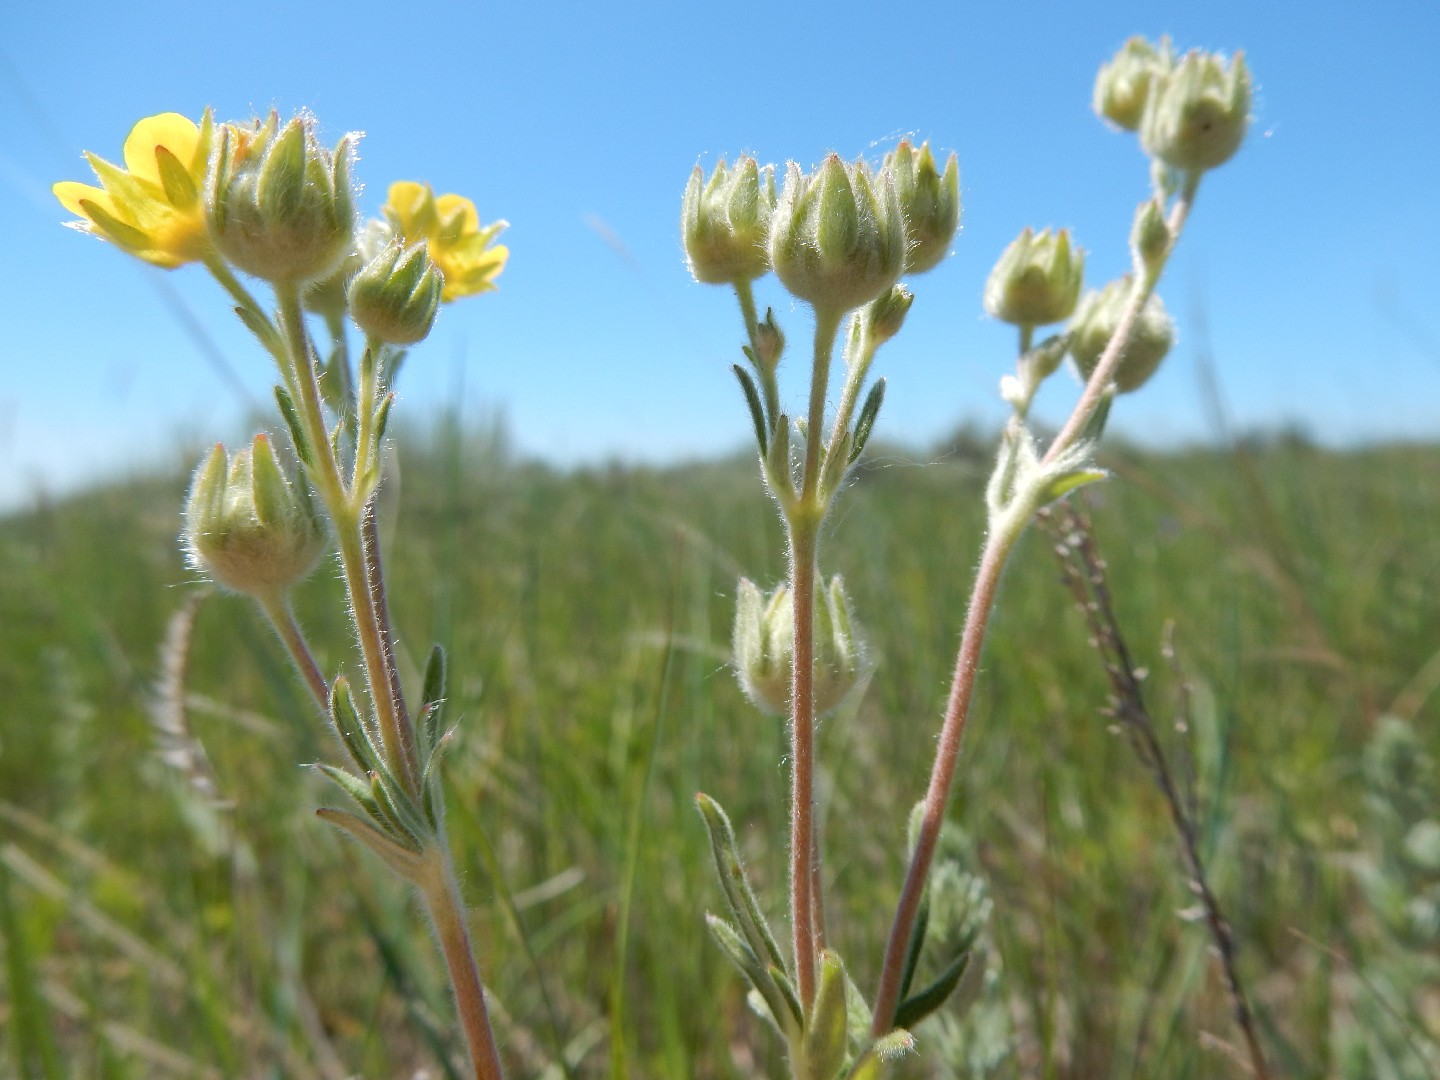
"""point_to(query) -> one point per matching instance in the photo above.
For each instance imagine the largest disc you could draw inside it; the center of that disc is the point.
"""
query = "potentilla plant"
(841, 239)
(266, 199)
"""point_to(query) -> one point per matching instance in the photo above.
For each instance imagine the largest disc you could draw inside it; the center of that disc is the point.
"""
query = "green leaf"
(733, 946)
(787, 991)
(1095, 426)
(351, 729)
(741, 897)
(757, 411)
(291, 417)
(917, 943)
(866, 423)
(1068, 482)
(382, 416)
(432, 698)
(258, 325)
(408, 864)
(827, 1033)
(357, 789)
(915, 1008)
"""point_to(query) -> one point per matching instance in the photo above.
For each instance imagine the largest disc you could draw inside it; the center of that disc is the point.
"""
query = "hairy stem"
(998, 545)
(942, 773)
(277, 609)
(397, 736)
(447, 912)
(804, 528)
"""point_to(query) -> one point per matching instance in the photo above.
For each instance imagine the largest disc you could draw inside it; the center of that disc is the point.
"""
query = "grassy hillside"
(183, 914)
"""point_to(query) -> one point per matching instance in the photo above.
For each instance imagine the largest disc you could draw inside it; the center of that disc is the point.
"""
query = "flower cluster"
(838, 237)
(268, 199)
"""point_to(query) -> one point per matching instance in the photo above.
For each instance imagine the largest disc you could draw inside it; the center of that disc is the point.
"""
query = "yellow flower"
(154, 211)
(459, 245)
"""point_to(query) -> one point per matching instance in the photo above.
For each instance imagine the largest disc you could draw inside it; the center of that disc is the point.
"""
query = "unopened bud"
(248, 526)
(769, 342)
(1150, 237)
(887, 314)
(1096, 321)
(837, 239)
(1123, 85)
(929, 201)
(397, 293)
(764, 646)
(1197, 113)
(724, 223)
(1037, 280)
(281, 206)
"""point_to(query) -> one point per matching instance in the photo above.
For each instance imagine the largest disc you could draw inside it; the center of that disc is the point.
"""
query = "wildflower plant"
(845, 239)
(267, 200)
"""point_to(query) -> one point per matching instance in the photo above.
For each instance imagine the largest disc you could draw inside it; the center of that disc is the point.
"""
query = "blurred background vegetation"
(170, 907)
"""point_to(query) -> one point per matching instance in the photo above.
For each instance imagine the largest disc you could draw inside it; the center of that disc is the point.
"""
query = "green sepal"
(866, 423)
(827, 1031)
(1068, 482)
(291, 416)
(175, 178)
(740, 954)
(757, 411)
(872, 1062)
(918, 1006)
(432, 699)
(402, 860)
(917, 943)
(352, 730)
(127, 236)
(736, 886)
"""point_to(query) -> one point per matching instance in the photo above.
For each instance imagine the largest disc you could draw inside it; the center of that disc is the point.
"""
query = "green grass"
(156, 928)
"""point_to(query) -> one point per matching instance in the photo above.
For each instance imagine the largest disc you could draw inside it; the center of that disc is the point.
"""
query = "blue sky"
(1310, 272)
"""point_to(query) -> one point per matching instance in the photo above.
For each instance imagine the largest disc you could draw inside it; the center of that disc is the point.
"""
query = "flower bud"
(1037, 280)
(463, 248)
(1123, 85)
(887, 314)
(764, 646)
(837, 238)
(395, 296)
(327, 296)
(929, 201)
(724, 223)
(1095, 324)
(280, 206)
(249, 527)
(1150, 237)
(1197, 113)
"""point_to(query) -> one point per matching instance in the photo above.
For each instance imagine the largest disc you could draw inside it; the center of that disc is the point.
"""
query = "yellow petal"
(176, 133)
(71, 193)
(457, 216)
(408, 204)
